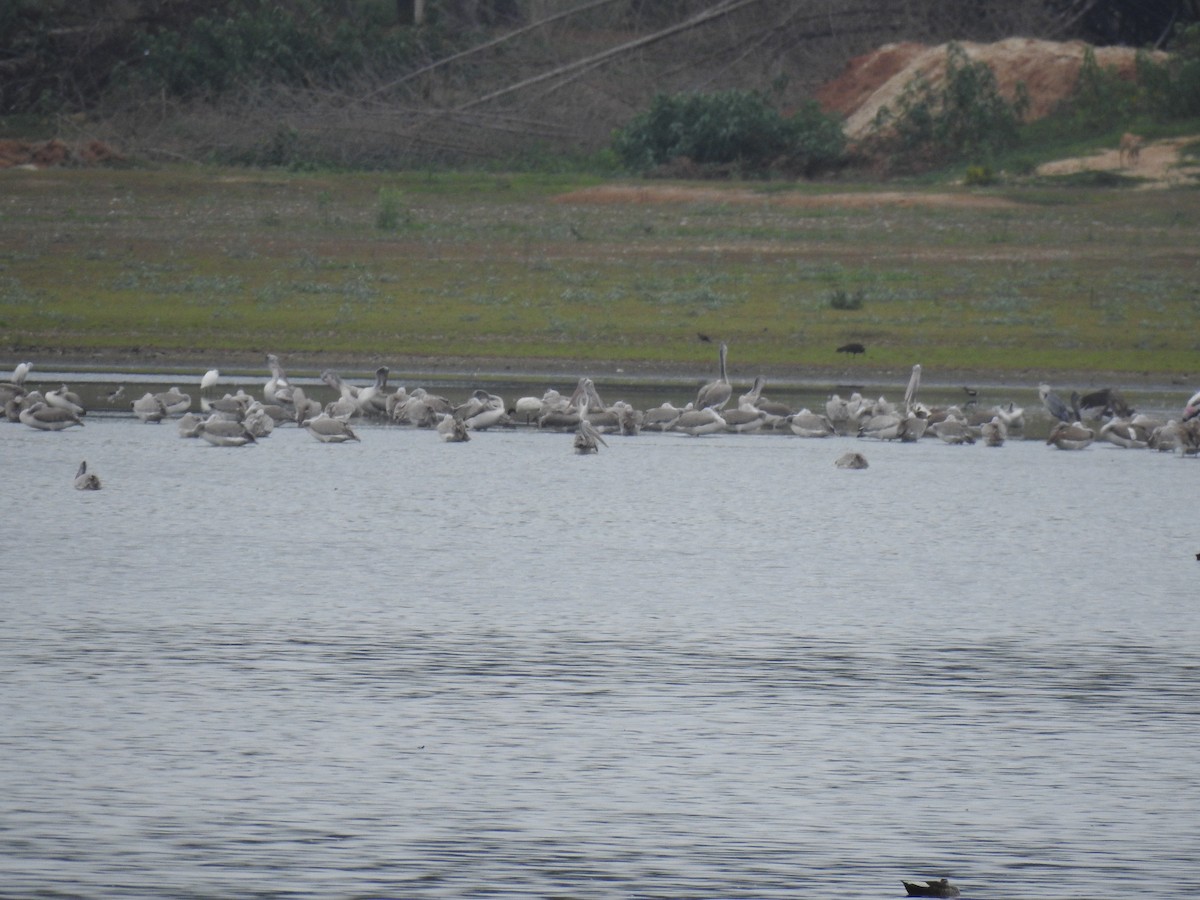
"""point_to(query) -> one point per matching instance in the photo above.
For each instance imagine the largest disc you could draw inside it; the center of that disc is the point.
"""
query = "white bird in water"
(851, 461)
(587, 438)
(716, 394)
(450, 428)
(85, 480)
(1071, 436)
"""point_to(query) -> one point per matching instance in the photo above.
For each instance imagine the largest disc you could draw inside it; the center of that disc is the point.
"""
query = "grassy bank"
(542, 270)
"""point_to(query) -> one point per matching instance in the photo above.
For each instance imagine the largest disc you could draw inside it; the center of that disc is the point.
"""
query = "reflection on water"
(684, 667)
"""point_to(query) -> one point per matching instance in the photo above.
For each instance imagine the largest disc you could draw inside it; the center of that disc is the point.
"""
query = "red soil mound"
(1049, 71)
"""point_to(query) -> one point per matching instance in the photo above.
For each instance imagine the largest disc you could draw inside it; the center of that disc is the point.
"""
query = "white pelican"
(85, 480)
(329, 430)
(224, 432)
(48, 418)
(1071, 436)
(716, 393)
(65, 398)
(1192, 408)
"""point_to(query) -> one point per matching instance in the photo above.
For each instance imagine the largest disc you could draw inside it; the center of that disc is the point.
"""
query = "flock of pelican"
(237, 419)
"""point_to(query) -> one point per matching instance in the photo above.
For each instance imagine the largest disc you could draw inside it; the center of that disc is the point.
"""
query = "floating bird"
(940, 888)
(65, 398)
(853, 348)
(328, 430)
(149, 408)
(587, 438)
(994, 433)
(48, 418)
(225, 432)
(85, 480)
(452, 429)
(851, 461)
(1071, 436)
(716, 394)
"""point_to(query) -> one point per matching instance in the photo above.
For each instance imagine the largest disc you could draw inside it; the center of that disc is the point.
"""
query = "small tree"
(964, 118)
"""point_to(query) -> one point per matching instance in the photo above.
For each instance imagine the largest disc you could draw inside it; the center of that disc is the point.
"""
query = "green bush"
(729, 128)
(965, 117)
(1172, 88)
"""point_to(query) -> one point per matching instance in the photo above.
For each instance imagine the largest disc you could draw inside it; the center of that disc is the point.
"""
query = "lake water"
(682, 668)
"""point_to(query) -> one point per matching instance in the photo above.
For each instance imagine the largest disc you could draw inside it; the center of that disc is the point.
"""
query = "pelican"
(175, 401)
(190, 425)
(699, 421)
(837, 411)
(744, 419)
(48, 418)
(809, 424)
(661, 418)
(1071, 436)
(940, 888)
(851, 461)
(372, 400)
(954, 431)
(1055, 406)
(451, 429)
(85, 480)
(1192, 408)
(277, 389)
(1126, 433)
(65, 398)
(305, 408)
(1166, 438)
(481, 411)
(329, 430)
(258, 421)
(716, 394)
(586, 395)
(1012, 417)
(587, 438)
(225, 433)
(994, 433)
(751, 397)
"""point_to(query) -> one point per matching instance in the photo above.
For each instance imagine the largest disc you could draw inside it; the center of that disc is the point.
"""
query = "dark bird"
(704, 337)
(852, 348)
(939, 888)
(1104, 403)
(970, 392)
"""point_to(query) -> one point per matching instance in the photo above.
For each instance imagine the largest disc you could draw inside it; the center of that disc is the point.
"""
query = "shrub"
(728, 128)
(965, 117)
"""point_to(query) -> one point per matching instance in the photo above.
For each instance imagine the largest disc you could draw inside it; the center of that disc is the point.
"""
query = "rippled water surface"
(686, 667)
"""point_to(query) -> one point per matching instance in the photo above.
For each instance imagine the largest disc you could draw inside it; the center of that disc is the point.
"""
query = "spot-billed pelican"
(175, 401)
(277, 389)
(451, 429)
(85, 480)
(222, 432)
(48, 418)
(994, 433)
(699, 421)
(587, 438)
(1071, 436)
(851, 461)
(65, 398)
(329, 430)
(809, 424)
(716, 394)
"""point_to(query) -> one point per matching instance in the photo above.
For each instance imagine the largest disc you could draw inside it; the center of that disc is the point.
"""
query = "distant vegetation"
(535, 83)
